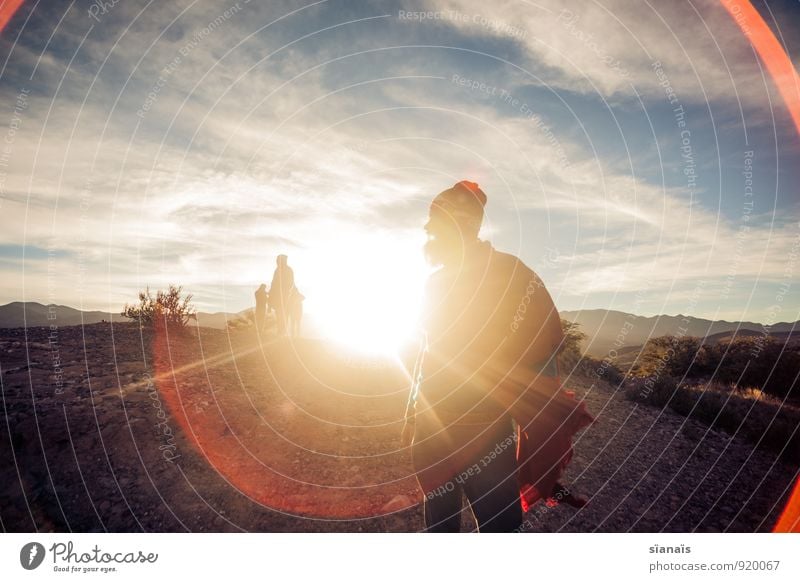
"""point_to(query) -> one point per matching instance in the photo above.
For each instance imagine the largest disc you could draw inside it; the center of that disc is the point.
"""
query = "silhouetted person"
(261, 306)
(492, 336)
(280, 293)
(295, 312)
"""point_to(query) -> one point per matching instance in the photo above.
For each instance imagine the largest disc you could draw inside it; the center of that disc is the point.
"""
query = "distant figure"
(295, 311)
(280, 293)
(261, 306)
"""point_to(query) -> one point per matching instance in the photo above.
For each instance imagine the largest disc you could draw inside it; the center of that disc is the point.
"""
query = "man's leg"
(442, 502)
(443, 511)
(280, 316)
(493, 492)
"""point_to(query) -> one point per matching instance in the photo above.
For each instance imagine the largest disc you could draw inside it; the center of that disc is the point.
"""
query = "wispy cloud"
(186, 143)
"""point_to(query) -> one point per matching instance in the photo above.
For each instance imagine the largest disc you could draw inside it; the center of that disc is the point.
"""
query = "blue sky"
(322, 130)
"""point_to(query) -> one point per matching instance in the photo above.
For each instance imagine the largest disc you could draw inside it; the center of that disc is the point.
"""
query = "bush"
(572, 360)
(758, 361)
(668, 355)
(763, 362)
(601, 369)
(569, 354)
(656, 391)
(167, 307)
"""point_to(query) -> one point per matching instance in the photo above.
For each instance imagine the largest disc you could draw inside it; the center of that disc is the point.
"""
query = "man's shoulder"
(435, 277)
(513, 265)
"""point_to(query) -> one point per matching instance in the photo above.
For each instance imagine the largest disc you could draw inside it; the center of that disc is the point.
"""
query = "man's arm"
(410, 416)
(523, 376)
(416, 372)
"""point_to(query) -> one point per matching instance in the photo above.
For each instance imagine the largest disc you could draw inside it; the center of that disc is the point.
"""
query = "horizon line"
(606, 309)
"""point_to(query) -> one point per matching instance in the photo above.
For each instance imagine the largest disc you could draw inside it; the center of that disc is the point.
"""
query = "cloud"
(257, 141)
(609, 48)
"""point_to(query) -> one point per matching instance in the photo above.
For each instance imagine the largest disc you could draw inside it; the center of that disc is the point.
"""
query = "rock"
(397, 503)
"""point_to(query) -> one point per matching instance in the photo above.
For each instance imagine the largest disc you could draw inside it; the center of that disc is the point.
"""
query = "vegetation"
(570, 354)
(167, 307)
(757, 362)
(746, 386)
(573, 361)
(600, 369)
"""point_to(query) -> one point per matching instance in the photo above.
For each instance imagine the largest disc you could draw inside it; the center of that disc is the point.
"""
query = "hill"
(32, 314)
(604, 327)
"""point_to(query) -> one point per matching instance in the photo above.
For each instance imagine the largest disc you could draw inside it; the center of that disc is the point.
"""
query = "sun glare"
(364, 291)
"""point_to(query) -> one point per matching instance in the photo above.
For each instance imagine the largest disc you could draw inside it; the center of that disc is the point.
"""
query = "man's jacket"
(493, 334)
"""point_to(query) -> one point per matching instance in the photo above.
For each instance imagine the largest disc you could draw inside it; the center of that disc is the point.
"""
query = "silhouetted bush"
(763, 362)
(656, 390)
(570, 353)
(167, 307)
(668, 355)
(746, 361)
(571, 359)
(600, 369)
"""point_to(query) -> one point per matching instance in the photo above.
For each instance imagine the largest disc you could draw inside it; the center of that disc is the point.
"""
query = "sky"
(637, 155)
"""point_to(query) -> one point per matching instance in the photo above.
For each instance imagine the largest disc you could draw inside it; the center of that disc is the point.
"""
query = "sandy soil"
(112, 429)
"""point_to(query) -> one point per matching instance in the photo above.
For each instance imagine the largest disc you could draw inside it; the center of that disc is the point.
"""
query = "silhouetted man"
(296, 312)
(261, 306)
(492, 337)
(280, 292)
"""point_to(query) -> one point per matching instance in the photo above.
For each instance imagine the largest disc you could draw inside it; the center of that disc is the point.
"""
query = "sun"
(364, 291)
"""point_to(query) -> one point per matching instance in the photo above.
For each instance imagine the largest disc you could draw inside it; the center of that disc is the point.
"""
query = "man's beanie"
(464, 202)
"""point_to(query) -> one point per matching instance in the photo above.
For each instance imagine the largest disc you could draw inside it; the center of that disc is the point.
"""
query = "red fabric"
(544, 446)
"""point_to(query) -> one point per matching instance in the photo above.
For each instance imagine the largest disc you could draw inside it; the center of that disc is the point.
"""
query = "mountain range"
(31, 314)
(605, 329)
(608, 329)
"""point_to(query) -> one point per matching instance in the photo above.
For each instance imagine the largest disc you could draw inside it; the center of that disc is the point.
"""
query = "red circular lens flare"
(778, 63)
(7, 11)
(274, 420)
(784, 75)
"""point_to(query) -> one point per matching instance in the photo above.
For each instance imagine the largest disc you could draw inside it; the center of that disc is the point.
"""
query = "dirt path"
(219, 432)
(651, 470)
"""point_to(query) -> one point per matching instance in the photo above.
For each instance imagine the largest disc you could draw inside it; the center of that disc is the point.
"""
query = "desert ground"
(108, 427)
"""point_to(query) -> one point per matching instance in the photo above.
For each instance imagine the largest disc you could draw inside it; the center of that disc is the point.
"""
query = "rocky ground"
(112, 429)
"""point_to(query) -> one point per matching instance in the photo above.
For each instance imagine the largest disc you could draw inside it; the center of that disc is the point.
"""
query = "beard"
(441, 252)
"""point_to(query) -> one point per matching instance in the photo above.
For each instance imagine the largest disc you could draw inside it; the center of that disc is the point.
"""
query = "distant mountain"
(31, 314)
(601, 326)
(605, 327)
(219, 319)
(788, 337)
